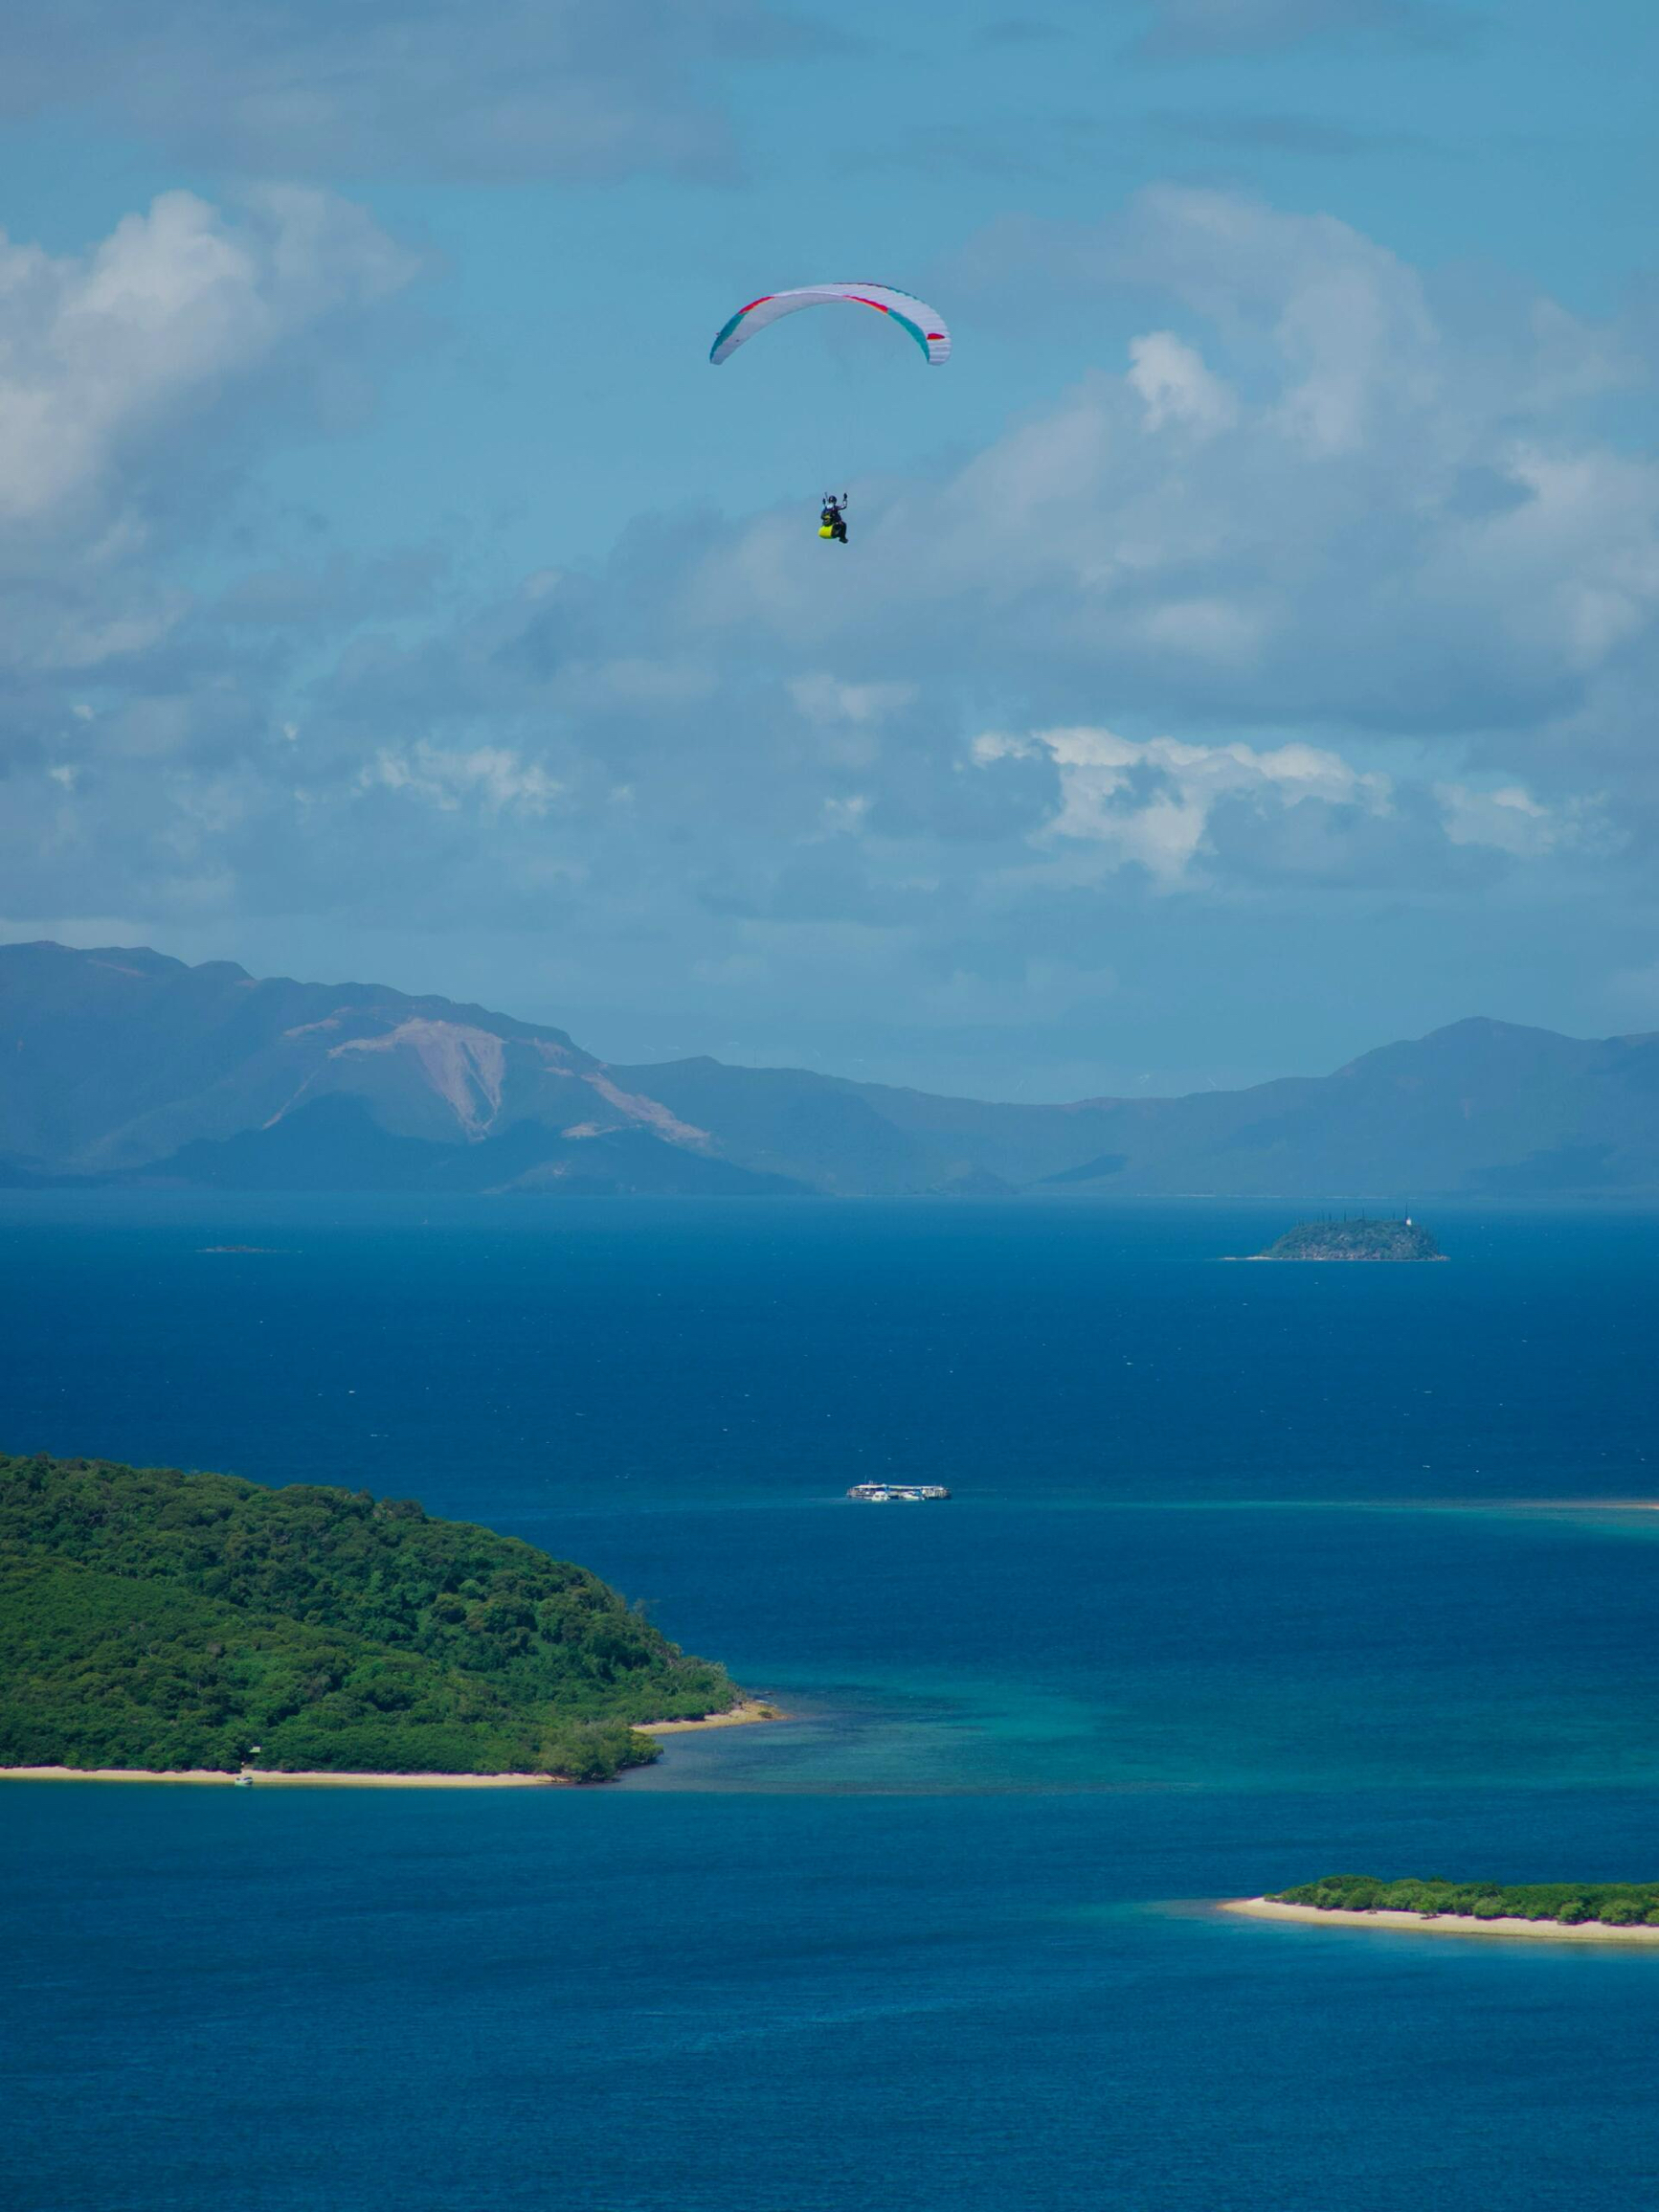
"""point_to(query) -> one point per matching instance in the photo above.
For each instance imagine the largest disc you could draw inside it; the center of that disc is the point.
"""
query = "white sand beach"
(264, 1780)
(1443, 1923)
(741, 1716)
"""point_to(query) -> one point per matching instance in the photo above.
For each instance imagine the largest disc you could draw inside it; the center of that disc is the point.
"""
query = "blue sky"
(1246, 647)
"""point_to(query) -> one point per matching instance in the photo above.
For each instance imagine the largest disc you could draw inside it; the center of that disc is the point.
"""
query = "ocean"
(1250, 1575)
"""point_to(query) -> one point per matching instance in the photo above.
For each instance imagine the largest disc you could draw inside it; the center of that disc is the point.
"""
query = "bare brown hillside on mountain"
(122, 1064)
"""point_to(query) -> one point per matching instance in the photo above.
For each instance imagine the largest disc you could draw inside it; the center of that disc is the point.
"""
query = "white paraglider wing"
(923, 323)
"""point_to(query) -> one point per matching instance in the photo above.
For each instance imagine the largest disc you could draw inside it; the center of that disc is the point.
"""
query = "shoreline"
(263, 1777)
(742, 1715)
(738, 1716)
(1443, 1922)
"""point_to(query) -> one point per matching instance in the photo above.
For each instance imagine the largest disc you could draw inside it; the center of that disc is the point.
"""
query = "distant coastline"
(1497, 1112)
(1441, 1924)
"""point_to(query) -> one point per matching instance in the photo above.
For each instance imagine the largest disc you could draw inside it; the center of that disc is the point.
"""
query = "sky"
(1245, 652)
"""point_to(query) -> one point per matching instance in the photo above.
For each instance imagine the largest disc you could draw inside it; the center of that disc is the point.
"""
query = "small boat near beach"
(897, 1492)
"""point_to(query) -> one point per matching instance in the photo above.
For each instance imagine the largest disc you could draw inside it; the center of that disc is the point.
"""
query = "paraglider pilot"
(833, 521)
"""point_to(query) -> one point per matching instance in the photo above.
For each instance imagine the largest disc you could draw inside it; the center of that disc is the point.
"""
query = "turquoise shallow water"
(1250, 1573)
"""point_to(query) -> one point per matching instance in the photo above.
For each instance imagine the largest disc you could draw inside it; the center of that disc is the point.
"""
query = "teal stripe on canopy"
(727, 332)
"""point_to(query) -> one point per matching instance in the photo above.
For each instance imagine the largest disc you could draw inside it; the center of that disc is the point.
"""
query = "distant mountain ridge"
(123, 1065)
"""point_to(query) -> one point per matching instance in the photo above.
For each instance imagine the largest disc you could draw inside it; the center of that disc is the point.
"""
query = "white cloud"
(1575, 558)
(1352, 508)
(1305, 502)
(1176, 386)
(99, 352)
(1507, 818)
(1343, 327)
(448, 778)
(1152, 802)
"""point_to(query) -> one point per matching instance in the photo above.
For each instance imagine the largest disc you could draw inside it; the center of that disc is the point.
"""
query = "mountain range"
(125, 1066)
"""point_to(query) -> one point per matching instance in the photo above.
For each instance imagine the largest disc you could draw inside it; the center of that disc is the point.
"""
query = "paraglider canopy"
(923, 323)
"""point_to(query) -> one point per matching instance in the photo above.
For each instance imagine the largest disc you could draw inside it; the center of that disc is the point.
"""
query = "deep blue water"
(1251, 1573)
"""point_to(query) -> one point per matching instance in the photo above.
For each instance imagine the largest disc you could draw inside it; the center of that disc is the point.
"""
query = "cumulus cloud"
(1175, 387)
(312, 89)
(102, 353)
(1329, 498)
(1377, 575)
(1152, 802)
(1341, 327)
(139, 382)
(1507, 818)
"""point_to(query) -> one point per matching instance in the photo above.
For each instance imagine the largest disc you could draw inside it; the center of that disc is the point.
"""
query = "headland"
(155, 1623)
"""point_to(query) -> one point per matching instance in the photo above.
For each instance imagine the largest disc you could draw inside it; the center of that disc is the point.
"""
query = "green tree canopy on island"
(1354, 1240)
(1618, 1904)
(156, 1619)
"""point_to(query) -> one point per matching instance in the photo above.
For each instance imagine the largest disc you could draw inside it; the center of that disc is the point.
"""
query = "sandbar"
(739, 1716)
(1443, 1922)
(1574, 1505)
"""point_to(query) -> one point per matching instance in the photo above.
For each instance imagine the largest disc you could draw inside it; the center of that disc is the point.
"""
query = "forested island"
(1563, 1903)
(1363, 1239)
(156, 1621)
